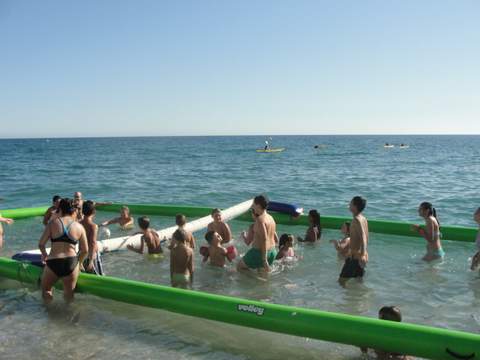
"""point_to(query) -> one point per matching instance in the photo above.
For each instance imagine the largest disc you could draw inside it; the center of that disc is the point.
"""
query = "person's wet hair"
(391, 313)
(284, 238)
(359, 202)
(209, 236)
(315, 215)
(180, 235)
(88, 208)
(261, 200)
(215, 211)
(56, 198)
(144, 222)
(66, 206)
(430, 210)
(180, 219)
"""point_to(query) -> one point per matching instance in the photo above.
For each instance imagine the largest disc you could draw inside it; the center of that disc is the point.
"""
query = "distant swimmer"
(476, 258)
(262, 253)
(181, 261)
(219, 226)
(65, 233)
(149, 238)
(314, 231)
(125, 220)
(431, 232)
(52, 210)
(356, 261)
(7, 221)
(93, 263)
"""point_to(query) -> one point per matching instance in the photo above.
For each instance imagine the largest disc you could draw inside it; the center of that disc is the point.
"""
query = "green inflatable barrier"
(417, 340)
(456, 233)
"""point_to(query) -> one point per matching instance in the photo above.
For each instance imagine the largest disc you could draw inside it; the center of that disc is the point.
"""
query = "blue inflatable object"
(34, 259)
(290, 209)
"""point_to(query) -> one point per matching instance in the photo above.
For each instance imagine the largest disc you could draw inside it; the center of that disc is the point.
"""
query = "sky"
(163, 68)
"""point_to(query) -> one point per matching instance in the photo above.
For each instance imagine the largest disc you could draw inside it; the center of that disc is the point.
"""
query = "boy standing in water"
(92, 263)
(219, 226)
(181, 261)
(216, 252)
(150, 237)
(357, 256)
(181, 221)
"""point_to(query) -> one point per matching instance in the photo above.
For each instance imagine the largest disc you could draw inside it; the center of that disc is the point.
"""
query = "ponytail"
(431, 210)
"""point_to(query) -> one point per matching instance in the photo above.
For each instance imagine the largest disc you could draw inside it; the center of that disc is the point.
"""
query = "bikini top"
(64, 237)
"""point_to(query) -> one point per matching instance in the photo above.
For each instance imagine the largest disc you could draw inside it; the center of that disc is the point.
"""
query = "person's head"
(213, 238)
(66, 207)
(78, 199)
(125, 212)
(143, 222)
(314, 218)
(56, 201)
(88, 208)
(260, 204)
(216, 215)
(180, 220)
(180, 235)
(345, 229)
(426, 210)
(286, 240)
(476, 215)
(357, 205)
(391, 313)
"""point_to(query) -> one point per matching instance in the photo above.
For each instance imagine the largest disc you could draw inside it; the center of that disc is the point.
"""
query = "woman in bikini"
(62, 262)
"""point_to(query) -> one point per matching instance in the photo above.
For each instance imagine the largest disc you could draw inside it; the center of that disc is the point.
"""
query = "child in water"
(181, 221)
(431, 232)
(181, 261)
(476, 257)
(150, 238)
(6, 221)
(343, 246)
(285, 247)
(125, 220)
(216, 252)
(389, 313)
(314, 231)
(219, 226)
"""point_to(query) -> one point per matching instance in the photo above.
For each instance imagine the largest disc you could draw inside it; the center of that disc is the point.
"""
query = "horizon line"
(251, 135)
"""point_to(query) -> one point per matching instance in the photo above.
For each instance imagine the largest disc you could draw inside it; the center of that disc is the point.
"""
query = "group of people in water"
(71, 222)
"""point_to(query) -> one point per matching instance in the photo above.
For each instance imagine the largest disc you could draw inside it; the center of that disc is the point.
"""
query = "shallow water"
(441, 169)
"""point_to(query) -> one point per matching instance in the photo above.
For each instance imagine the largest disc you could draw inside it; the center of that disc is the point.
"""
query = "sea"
(314, 172)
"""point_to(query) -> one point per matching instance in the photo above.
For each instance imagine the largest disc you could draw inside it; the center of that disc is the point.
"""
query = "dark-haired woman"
(62, 262)
(431, 232)
(314, 231)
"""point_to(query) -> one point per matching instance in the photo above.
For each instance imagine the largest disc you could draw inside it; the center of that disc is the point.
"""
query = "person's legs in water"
(48, 280)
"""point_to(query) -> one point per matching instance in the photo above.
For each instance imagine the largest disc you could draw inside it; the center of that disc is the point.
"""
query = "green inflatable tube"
(456, 233)
(404, 338)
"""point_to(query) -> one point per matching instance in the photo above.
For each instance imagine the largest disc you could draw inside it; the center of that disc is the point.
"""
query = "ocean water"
(222, 171)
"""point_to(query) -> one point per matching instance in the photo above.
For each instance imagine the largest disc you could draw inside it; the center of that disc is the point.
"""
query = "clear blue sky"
(113, 68)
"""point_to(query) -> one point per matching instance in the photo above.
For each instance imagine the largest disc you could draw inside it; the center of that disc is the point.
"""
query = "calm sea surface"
(222, 171)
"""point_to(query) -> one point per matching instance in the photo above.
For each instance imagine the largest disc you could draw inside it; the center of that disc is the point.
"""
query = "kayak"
(398, 337)
(272, 150)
